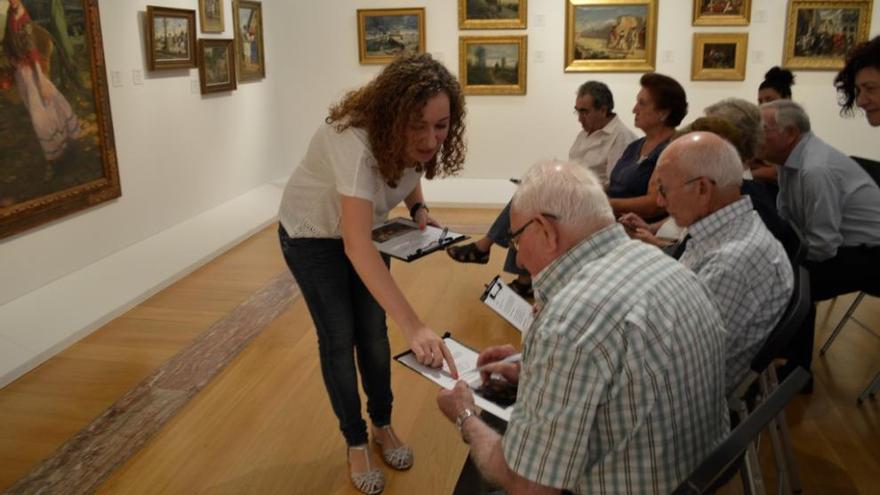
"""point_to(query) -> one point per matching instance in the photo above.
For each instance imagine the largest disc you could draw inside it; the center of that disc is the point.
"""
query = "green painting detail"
(49, 134)
(492, 9)
(493, 64)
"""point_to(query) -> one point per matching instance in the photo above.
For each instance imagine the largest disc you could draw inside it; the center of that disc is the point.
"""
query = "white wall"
(180, 153)
(507, 133)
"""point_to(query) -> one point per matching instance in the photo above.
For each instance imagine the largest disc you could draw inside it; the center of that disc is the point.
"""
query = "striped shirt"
(621, 388)
(748, 275)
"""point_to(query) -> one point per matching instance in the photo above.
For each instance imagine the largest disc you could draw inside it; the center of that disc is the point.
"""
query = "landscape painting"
(216, 65)
(819, 34)
(385, 34)
(492, 14)
(171, 38)
(57, 152)
(610, 36)
(493, 65)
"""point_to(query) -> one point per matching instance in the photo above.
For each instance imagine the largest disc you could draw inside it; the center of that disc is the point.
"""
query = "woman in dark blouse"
(660, 106)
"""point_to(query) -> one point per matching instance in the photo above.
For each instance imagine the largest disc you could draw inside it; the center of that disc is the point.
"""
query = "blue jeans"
(349, 322)
(498, 234)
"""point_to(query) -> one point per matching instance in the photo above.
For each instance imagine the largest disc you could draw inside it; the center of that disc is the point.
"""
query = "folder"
(401, 238)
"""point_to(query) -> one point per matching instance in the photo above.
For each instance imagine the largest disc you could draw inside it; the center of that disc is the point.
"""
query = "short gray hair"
(704, 154)
(567, 190)
(746, 117)
(789, 114)
(602, 97)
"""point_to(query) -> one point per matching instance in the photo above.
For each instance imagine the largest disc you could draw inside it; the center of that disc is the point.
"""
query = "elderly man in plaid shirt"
(621, 384)
(730, 249)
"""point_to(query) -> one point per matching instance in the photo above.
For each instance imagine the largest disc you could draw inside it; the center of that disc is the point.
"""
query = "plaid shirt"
(621, 388)
(748, 275)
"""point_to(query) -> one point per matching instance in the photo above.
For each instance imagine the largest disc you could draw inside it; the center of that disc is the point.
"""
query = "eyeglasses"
(663, 189)
(513, 237)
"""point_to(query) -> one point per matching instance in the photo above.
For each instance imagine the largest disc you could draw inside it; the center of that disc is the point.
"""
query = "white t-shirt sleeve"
(353, 165)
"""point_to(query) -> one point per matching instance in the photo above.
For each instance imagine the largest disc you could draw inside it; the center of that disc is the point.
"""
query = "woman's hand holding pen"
(492, 360)
(430, 350)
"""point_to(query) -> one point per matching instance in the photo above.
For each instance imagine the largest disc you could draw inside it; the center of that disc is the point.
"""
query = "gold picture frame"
(722, 12)
(216, 66)
(385, 34)
(610, 35)
(250, 53)
(477, 14)
(212, 19)
(171, 38)
(818, 35)
(719, 56)
(484, 64)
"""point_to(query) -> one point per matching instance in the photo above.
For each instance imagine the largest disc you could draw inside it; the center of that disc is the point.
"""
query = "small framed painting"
(250, 60)
(492, 14)
(610, 35)
(819, 34)
(171, 38)
(385, 34)
(492, 65)
(719, 56)
(211, 16)
(216, 65)
(722, 12)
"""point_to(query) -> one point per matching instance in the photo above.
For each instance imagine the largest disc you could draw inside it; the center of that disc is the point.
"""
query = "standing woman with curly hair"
(858, 83)
(370, 155)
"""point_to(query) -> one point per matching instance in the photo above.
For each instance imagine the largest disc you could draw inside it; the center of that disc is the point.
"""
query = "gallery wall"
(508, 133)
(180, 153)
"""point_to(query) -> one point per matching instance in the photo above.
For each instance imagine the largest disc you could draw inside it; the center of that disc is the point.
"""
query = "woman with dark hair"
(371, 154)
(858, 83)
(660, 106)
(776, 85)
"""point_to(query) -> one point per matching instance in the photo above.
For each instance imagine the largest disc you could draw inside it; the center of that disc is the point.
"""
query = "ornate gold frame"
(722, 20)
(738, 73)
(362, 14)
(790, 61)
(519, 23)
(190, 16)
(646, 64)
(493, 89)
(258, 7)
(203, 19)
(19, 217)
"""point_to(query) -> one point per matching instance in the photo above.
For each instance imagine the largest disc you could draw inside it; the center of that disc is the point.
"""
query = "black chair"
(762, 372)
(709, 475)
(873, 169)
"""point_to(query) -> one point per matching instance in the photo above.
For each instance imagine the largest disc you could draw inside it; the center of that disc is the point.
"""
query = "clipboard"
(401, 238)
(463, 355)
(508, 304)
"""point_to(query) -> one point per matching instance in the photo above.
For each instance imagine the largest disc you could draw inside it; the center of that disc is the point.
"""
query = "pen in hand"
(513, 358)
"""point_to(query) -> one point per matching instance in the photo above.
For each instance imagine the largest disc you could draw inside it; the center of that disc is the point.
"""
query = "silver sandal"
(371, 481)
(401, 457)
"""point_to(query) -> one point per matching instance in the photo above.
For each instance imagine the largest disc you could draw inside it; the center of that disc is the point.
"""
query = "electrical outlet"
(116, 78)
(137, 77)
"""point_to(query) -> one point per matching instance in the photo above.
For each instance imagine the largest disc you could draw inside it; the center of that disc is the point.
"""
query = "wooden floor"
(265, 426)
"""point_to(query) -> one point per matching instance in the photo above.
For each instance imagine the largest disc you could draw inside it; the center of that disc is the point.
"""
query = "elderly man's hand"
(453, 402)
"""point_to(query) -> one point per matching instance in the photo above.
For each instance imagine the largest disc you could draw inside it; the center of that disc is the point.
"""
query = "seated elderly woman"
(739, 122)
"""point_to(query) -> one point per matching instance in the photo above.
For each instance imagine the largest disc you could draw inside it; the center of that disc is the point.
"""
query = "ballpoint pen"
(442, 236)
(513, 358)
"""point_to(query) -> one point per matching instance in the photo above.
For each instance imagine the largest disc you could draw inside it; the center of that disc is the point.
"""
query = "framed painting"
(610, 35)
(492, 14)
(250, 61)
(719, 56)
(216, 65)
(211, 16)
(385, 34)
(492, 65)
(818, 35)
(171, 38)
(722, 12)
(57, 151)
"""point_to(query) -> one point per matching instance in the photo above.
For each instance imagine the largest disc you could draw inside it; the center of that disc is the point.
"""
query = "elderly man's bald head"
(704, 154)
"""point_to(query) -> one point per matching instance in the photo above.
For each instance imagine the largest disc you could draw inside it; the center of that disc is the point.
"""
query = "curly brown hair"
(863, 55)
(391, 102)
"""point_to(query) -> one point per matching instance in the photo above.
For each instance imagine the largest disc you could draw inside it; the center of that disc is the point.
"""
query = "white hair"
(746, 117)
(570, 192)
(704, 154)
(789, 114)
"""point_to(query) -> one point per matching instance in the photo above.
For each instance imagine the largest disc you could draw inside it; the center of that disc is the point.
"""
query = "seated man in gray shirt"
(729, 248)
(836, 205)
(622, 374)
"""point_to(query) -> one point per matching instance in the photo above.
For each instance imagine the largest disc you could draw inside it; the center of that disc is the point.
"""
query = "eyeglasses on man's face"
(513, 237)
(664, 190)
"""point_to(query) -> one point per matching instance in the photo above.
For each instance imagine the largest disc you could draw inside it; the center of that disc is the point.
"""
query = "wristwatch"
(415, 208)
(462, 417)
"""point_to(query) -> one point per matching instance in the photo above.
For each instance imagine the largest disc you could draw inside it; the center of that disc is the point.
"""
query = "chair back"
(795, 313)
(796, 246)
(710, 474)
(870, 166)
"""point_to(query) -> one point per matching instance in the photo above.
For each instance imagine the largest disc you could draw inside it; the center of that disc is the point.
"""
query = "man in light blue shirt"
(833, 201)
